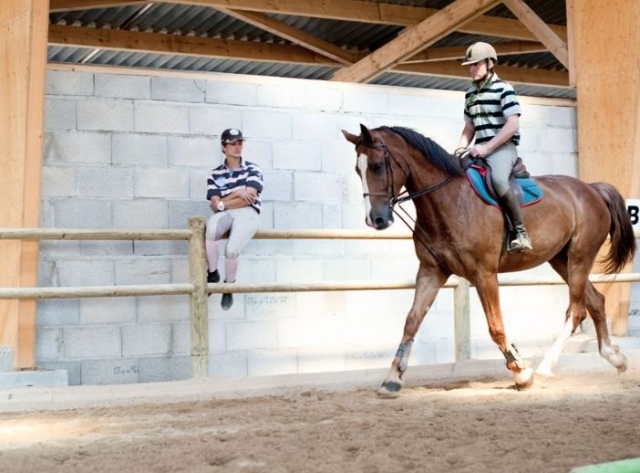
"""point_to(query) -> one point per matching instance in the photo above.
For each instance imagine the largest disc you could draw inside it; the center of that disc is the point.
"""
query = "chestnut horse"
(457, 233)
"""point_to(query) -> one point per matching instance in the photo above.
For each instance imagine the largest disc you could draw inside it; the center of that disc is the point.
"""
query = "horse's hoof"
(389, 389)
(545, 371)
(622, 367)
(524, 379)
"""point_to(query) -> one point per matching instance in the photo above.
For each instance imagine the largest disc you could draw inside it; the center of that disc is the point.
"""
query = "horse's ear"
(366, 134)
(350, 137)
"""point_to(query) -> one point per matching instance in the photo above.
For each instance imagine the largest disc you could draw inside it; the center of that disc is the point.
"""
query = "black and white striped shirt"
(489, 107)
(223, 180)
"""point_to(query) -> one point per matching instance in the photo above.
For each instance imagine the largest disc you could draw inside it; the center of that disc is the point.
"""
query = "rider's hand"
(479, 151)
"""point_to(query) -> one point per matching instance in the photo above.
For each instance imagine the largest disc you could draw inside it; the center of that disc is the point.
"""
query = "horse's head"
(382, 178)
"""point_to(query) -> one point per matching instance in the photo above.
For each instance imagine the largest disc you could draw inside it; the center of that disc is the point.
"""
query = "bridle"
(405, 195)
(390, 191)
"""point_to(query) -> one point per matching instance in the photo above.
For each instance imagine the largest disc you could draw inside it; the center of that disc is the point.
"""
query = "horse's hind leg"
(428, 283)
(595, 306)
(583, 297)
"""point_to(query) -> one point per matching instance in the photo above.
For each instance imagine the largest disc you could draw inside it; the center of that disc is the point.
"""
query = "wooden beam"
(518, 75)
(294, 35)
(414, 40)
(186, 45)
(77, 5)
(23, 46)
(541, 31)
(345, 10)
(448, 53)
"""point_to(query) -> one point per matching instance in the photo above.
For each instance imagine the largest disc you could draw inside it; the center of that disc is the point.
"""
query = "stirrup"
(520, 244)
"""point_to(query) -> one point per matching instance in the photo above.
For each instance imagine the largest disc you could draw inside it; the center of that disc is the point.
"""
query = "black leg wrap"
(512, 355)
(404, 350)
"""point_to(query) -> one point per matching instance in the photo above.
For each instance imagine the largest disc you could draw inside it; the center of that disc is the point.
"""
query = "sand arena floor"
(586, 414)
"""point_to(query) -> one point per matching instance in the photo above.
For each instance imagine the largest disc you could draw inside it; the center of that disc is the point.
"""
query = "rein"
(406, 196)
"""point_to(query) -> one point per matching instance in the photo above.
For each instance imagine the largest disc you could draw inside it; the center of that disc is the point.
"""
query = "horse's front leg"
(428, 283)
(488, 292)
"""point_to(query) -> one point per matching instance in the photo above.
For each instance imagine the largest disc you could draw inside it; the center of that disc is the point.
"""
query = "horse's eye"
(377, 168)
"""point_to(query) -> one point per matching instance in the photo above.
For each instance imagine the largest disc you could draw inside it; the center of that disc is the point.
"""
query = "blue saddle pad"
(531, 192)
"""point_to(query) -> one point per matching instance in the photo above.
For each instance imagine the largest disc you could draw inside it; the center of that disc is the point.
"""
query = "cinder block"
(6, 359)
(259, 152)
(48, 343)
(192, 151)
(122, 86)
(181, 210)
(104, 114)
(231, 364)
(217, 335)
(160, 248)
(234, 93)
(173, 368)
(75, 147)
(295, 155)
(92, 342)
(112, 371)
(272, 362)
(276, 305)
(146, 339)
(317, 248)
(164, 183)
(84, 273)
(72, 369)
(288, 95)
(323, 98)
(267, 125)
(52, 312)
(117, 310)
(299, 269)
(58, 182)
(297, 215)
(140, 213)
(321, 360)
(278, 185)
(24, 379)
(139, 149)
(107, 182)
(153, 117)
(181, 338)
(211, 120)
(413, 106)
(198, 183)
(317, 187)
(362, 100)
(69, 83)
(177, 90)
(111, 249)
(163, 308)
(59, 114)
(252, 335)
(316, 127)
(361, 358)
(562, 116)
(142, 271)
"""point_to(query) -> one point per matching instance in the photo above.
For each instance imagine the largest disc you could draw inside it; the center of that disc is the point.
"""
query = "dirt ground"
(480, 426)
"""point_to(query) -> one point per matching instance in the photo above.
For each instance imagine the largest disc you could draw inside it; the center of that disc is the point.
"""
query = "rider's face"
(478, 70)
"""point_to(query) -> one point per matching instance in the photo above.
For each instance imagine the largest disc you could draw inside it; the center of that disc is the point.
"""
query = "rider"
(492, 116)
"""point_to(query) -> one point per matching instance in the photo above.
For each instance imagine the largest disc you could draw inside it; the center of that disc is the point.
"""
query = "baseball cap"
(231, 135)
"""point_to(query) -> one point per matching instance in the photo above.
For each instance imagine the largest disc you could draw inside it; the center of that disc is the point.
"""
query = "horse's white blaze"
(362, 167)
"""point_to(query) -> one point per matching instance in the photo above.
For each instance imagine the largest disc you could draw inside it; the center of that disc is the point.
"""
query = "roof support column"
(23, 54)
(606, 52)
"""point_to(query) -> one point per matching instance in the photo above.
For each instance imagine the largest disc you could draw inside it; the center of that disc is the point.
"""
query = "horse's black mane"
(431, 150)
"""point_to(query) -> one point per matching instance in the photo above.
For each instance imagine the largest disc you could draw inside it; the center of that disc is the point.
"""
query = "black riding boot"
(521, 243)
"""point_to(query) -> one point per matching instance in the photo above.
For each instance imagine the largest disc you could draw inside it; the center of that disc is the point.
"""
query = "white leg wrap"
(551, 357)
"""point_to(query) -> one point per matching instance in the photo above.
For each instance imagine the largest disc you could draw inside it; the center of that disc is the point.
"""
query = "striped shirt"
(223, 181)
(489, 107)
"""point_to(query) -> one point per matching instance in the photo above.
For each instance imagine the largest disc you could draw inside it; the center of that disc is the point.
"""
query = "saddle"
(525, 189)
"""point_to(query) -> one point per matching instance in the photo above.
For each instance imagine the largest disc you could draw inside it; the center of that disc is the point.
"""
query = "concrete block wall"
(125, 150)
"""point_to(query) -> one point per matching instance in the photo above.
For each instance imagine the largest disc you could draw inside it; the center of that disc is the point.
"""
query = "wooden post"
(199, 300)
(606, 43)
(23, 54)
(462, 323)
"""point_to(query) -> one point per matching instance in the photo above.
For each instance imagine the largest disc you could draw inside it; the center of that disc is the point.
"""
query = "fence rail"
(198, 289)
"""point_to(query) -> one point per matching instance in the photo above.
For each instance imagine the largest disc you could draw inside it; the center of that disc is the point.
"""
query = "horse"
(455, 233)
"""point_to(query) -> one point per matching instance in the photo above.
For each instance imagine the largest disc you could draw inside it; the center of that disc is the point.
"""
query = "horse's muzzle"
(381, 220)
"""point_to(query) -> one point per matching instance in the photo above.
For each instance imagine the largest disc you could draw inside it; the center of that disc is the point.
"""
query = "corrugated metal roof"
(352, 35)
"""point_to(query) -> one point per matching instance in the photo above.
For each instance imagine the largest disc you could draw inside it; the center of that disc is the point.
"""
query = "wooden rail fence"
(198, 289)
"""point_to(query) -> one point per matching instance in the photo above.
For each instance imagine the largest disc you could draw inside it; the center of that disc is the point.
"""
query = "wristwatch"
(220, 206)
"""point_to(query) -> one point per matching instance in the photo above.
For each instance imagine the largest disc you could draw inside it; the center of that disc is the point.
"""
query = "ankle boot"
(521, 243)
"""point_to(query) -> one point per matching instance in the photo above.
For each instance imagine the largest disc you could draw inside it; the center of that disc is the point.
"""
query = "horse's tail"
(623, 242)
